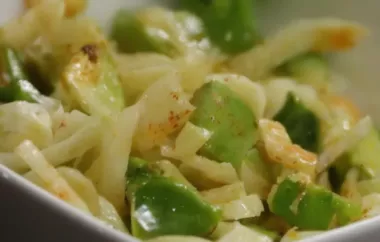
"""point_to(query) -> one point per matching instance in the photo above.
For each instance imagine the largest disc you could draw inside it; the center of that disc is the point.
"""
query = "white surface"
(361, 66)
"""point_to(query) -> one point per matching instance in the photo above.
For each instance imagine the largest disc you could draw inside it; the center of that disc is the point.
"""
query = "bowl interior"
(360, 65)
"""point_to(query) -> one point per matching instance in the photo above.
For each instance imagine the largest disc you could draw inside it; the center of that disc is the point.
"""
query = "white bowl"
(41, 217)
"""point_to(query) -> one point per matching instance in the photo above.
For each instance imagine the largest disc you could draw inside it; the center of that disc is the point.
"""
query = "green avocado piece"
(131, 35)
(234, 127)
(230, 24)
(309, 206)
(301, 124)
(164, 207)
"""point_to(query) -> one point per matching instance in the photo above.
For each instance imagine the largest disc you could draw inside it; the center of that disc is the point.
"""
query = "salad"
(188, 124)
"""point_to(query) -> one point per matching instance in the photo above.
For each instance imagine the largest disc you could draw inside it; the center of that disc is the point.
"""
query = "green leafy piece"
(301, 124)
(131, 35)
(309, 206)
(90, 81)
(230, 24)
(14, 83)
(222, 112)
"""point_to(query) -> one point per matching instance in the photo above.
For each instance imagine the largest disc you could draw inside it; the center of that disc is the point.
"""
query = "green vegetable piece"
(163, 207)
(132, 36)
(301, 124)
(346, 212)
(222, 112)
(14, 83)
(309, 206)
(136, 166)
(366, 155)
(310, 68)
(230, 24)
(91, 82)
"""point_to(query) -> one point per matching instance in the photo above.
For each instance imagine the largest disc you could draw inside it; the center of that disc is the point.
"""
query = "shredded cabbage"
(188, 142)
(108, 171)
(157, 123)
(370, 205)
(205, 173)
(110, 216)
(246, 207)
(224, 194)
(297, 38)
(56, 184)
(22, 120)
(345, 143)
(239, 233)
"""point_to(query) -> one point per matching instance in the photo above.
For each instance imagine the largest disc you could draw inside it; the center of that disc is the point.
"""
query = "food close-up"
(188, 123)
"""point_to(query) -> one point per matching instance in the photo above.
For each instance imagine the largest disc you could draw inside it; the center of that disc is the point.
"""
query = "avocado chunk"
(131, 35)
(162, 206)
(234, 127)
(301, 123)
(310, 207)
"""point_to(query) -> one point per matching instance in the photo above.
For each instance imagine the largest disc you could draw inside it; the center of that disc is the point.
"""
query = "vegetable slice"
(161, 206)
(222, 112)
(22, 120)
(164, 206)
(301, 124)
(131, 35)
(246, 207)
(322, 35)
(110, 216)
(14, 83)
(108, 171)
(91, 80)
(239, 233)
(310, 207)
(57, 185)
(229, 24)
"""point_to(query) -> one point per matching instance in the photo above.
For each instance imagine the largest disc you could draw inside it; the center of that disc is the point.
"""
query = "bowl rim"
(55, 203)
